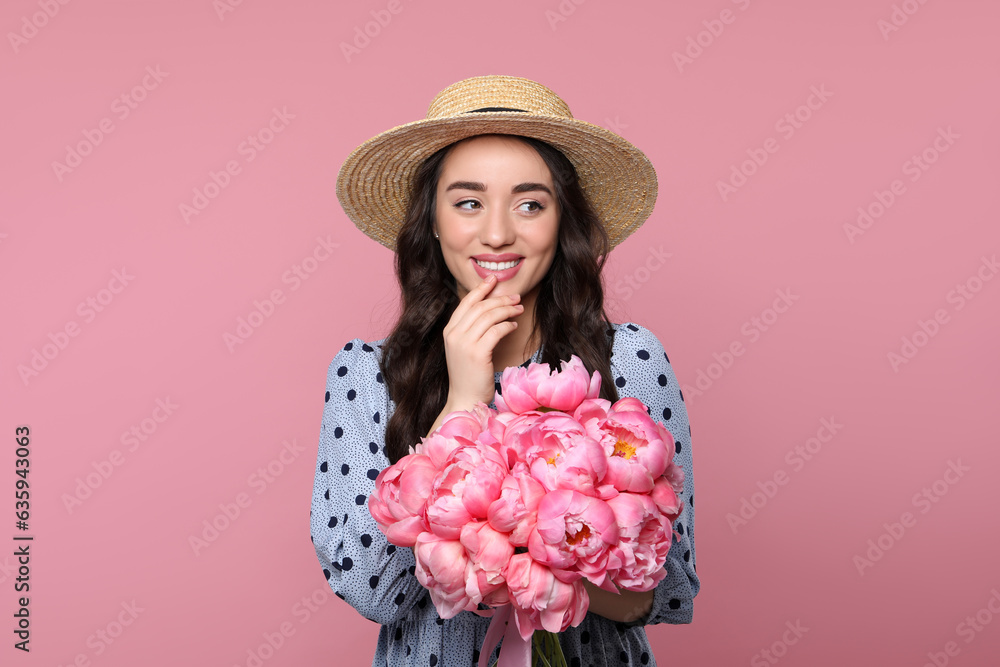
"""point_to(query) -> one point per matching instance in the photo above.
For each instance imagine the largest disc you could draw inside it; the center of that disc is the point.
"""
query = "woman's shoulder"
(633, 340)
(357, 357)
(640, 367)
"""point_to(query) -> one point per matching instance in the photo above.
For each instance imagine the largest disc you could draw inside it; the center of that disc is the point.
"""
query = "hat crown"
(497, 93)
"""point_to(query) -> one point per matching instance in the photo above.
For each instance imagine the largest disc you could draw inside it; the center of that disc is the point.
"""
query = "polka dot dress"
(377, 578)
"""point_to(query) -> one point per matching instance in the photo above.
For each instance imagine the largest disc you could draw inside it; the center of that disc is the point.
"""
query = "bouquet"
(508, 510)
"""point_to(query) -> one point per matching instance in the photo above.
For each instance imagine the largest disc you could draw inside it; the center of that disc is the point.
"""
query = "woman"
(501, 209)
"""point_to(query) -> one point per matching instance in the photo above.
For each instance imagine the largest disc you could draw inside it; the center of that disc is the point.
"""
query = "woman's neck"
(515, 357)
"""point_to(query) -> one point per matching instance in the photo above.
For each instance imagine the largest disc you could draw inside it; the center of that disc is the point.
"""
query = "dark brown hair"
(569, 310)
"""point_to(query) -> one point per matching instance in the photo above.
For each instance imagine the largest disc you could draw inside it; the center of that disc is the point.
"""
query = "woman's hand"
(626, 606)
(472, 333)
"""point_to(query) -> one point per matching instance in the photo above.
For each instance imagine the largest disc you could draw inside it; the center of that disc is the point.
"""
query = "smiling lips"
(503, 270)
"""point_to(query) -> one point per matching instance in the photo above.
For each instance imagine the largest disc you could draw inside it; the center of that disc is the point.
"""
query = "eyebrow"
(517, 189)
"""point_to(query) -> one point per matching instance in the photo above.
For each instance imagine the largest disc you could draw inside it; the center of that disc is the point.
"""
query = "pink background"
(161, 336)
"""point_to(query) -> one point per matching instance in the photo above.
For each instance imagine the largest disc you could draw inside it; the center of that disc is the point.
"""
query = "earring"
(436, 235)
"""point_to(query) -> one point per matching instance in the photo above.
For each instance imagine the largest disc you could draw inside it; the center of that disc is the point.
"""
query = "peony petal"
(404, 533)
(629, 404)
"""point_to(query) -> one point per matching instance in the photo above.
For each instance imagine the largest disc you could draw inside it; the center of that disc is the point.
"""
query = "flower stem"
(546, 650)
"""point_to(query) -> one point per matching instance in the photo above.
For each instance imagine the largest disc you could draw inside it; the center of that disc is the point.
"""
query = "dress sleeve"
(361, 566)
(642, 369)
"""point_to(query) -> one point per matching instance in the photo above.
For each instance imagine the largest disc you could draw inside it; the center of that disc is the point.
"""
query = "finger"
(471, 329)
(475, 295)
(467, 321)
(498, 331)
(475, 303)
(493, 318)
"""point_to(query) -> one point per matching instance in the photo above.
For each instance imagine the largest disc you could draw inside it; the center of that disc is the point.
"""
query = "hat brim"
(617, 178)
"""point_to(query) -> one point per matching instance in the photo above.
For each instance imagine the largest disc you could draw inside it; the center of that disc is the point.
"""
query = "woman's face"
(496, 201)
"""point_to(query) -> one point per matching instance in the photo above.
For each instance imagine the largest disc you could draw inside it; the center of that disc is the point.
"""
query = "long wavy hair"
(569, 310)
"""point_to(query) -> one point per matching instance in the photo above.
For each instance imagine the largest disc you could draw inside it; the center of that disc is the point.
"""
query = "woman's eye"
(461, 204)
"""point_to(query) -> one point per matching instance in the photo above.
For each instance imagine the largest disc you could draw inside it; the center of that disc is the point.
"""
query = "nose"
(497, 229)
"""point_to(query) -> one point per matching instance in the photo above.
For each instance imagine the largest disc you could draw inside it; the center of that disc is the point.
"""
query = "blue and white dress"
(377, 578)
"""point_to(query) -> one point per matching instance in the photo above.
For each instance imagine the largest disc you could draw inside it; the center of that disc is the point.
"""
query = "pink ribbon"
(515, 650)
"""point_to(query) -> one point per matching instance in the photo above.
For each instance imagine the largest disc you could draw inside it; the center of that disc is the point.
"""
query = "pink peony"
(464, 489)
(484, 471)
(514, 512)
(664, 496)
(675, 476)
(644, 542)
(558, 451)
(458, 429)
(398, 500)
(488, 551)
(515, 507)
(540, 601)
(537, 386)
(441, 567)
(496, 427)
(638, 449)
(573, 535)
(591, 413)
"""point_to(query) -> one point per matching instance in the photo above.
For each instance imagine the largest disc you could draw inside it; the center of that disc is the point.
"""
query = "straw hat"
(374, 182)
